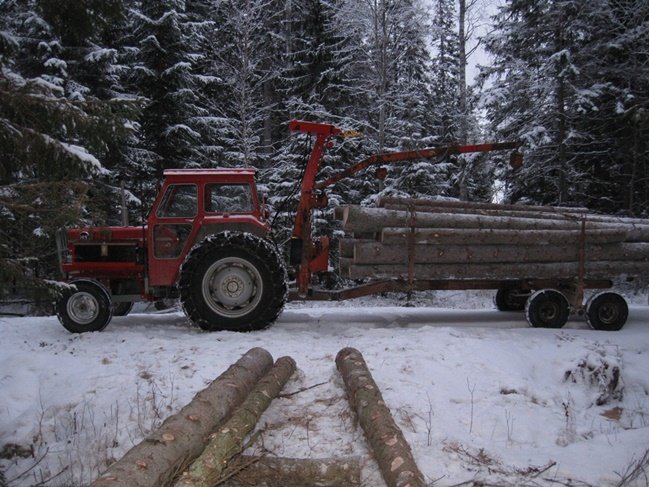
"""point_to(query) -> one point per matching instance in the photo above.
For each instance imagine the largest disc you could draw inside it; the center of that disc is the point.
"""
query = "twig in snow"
(635, 470)
(289, 394)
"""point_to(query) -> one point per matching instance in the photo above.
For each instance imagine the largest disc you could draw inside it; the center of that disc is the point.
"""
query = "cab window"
(179, 201)
(228, 198)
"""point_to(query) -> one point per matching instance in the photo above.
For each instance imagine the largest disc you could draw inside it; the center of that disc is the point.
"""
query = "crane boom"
(311, 253)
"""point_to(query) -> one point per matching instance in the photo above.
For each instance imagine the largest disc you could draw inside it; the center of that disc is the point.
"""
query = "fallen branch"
(289, 394)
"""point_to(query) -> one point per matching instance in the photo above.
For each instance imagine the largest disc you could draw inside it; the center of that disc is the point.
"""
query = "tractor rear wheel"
(122, 308)
(233, 281)
(86, 307)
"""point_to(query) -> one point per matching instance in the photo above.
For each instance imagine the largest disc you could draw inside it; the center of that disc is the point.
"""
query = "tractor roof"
(197, 175)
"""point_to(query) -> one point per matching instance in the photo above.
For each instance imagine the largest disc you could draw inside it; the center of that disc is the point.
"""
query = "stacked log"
(425, 239)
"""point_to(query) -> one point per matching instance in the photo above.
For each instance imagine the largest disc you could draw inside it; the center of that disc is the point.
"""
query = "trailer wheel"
(547, 308)
(511, 299)
(86, 308)
(122, 308)
(606, 311)
(233, 281)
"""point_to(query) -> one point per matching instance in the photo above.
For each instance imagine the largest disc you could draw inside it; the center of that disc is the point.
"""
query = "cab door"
(171, 230)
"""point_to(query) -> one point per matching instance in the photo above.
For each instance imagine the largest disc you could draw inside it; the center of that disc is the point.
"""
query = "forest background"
(96, 96)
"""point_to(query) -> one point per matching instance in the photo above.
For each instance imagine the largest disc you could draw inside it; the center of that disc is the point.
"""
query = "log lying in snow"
(378, 253)
(390, 448)
(489, 236)
(179, 439)
(227, 441)
(245, 471)
(554, 270)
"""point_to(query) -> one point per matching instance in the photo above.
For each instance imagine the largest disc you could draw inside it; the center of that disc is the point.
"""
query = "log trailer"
(206, 241)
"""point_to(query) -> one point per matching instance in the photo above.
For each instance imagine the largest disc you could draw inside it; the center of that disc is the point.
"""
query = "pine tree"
(51, 138)
(611, 105)
(245, 59)
(531, 95)
(165, 42)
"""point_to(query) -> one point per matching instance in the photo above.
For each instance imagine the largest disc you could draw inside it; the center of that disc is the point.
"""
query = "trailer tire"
(86, 308)
(511, 299)
(607, 311)
(233, 281)
(547, 308)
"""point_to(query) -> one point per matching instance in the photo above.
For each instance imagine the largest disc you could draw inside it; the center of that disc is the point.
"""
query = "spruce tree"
(52, 135)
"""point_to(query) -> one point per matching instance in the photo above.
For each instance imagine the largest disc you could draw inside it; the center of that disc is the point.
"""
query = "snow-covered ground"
(478, 394)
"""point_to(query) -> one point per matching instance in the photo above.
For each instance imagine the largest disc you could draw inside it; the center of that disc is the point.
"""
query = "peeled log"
(490, 236)
(378, 253)
(292, 472)
(386, 440)
(227, 441)
(157, 459)
(504, 271)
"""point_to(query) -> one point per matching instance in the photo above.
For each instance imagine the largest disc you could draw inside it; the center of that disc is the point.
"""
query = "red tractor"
(206, 242)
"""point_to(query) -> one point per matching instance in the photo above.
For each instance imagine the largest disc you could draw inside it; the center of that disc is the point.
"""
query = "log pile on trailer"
(486, 245)
(454, 240)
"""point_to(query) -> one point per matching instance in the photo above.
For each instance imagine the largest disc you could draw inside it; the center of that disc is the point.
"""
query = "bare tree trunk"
(390, 448)
(246, 471)
(228, 440)
(180, 439)
(462, 100)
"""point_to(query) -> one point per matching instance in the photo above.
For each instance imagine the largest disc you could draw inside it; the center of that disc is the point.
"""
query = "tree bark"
(504, 271)
(488, 236)
(386, 440)
(513, 252)
(180, 439)
(228, 440)
(476, 205)
(539, 215)
(368, 220)
(245, 471)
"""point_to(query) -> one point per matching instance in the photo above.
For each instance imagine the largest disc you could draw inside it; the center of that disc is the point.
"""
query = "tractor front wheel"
(86, 306)
(233, 281)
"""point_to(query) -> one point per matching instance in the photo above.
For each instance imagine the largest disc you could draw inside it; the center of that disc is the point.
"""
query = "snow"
(86, 157)
(478, 394)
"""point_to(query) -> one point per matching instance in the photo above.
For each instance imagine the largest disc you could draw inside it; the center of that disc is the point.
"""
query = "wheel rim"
(608, 313)
(548, 312)
(82, 307)
(232, 287)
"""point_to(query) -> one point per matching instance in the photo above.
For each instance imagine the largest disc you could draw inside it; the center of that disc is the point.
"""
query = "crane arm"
(312, 253)
(396, 157)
